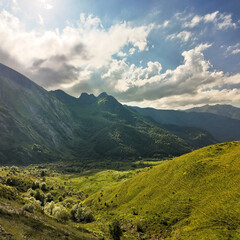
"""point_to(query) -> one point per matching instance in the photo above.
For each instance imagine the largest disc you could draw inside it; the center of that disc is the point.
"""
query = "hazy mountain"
(222, 128)
(222, 110)
(37, 125)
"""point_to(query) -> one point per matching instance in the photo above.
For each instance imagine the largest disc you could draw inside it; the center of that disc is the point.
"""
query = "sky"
(166, 54)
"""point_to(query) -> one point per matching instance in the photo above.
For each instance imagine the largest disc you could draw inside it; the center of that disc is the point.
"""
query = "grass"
(195, 196)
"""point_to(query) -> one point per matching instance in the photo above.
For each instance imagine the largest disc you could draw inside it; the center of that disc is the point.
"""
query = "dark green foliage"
(80, 214)
(115, 230)
(8, 192)
(39, 195)
(29, 207)
(43, 187)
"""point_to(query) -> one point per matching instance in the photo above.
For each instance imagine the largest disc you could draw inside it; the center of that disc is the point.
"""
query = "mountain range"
(41, 126)
(220, 120)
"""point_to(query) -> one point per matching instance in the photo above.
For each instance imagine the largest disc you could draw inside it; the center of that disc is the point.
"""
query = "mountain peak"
(86, 98)
(15, 78)
(103, 95)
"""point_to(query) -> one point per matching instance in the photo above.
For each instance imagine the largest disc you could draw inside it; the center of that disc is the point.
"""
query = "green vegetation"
(195, 196)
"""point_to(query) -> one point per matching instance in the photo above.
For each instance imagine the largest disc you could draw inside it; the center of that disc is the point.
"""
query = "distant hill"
(222, 128)
(38, 126)
(195, 196)
(222, 110)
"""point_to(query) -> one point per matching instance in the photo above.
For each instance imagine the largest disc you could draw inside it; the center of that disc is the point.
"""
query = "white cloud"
(221, 21)
(81, 58)
(15, 5)
(225, 22)
(186, 101)
(234, 49)
(184, 36)
(132, 51)
(121, 54)
(191, 83)
(166, 23)
(87, 46)
(46, 5)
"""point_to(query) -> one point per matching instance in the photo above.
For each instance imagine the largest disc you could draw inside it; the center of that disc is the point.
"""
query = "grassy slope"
(195, 196)
(35, 226)
(18, 223)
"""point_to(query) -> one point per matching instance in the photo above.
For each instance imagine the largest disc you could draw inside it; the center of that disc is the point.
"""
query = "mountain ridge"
(222, 128)
(53, 126)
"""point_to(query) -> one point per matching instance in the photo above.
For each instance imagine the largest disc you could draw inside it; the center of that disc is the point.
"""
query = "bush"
(57, 211)
(60, 213)
(40, 196)
(80, 214)
(31, 192)
(8, 192)
(35, 185)
(115, 230)
(43, 187)
(29, 207)
(49, 197)
(48, 208)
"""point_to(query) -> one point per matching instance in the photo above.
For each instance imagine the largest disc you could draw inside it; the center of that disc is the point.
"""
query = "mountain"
(195, 196)
(221, 128)
(33, 123)
(222, 110)
(37, 126)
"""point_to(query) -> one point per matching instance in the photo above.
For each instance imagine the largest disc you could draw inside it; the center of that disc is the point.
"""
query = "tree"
(115, 230)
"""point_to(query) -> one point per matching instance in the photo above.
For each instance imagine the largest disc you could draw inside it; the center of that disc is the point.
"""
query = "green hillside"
(195, 196)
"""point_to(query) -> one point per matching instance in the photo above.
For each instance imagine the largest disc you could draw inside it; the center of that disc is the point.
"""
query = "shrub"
(43, 186)
(60, 213)
(49, 197)
(8, 192)
(31, 192)
(40, 196)
(48, 208)
(115, 230)
(35, 185)
(29, 207)
(80, 214)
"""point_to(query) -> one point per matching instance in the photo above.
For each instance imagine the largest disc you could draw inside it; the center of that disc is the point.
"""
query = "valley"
(185, 197)
(92, 168)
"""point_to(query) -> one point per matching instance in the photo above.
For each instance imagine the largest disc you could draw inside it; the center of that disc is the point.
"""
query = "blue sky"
(163, 54)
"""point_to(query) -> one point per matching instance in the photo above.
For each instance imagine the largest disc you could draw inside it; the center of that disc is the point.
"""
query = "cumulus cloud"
(85, 46)
(82, 57)
(190, 83)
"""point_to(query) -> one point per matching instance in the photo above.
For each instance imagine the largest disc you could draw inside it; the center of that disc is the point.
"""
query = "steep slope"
(33, 122)
(195, 196)
(222, 110)
(222, 128)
